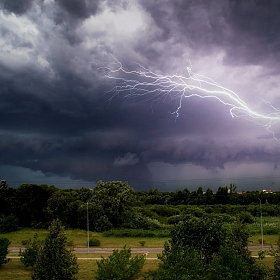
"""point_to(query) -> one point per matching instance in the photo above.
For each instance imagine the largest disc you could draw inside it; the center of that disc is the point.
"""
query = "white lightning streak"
(144, 82)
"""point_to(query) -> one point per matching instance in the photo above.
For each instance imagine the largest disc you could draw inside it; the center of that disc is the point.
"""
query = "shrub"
(29, 255)
(120, 266)
(4, 244)
(142, 243)
(261, 254)
(24, 242)
(94, 242)
(246, 217)
(174, 219)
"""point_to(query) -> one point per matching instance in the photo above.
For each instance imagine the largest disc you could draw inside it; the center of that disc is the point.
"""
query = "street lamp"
(261, 221)
(87, 230)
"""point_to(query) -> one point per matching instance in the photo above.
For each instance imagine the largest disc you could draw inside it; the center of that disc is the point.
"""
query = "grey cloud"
(18, 7)
(80, 8)
(247, 30)
(126, 160)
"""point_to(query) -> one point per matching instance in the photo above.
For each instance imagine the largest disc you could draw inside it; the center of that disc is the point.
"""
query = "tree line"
(116, 205)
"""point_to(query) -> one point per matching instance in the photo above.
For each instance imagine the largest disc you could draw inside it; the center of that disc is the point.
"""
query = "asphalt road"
(140, 250)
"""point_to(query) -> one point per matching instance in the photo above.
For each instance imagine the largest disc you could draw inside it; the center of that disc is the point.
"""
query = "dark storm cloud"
(79, 9)
(247, 30)
(57, 114)
(18, 7)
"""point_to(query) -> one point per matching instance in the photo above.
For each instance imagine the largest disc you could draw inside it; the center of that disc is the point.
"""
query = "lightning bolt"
(144, 82)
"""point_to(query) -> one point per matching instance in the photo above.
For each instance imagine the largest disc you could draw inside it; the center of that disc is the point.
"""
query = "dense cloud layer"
(58, 116)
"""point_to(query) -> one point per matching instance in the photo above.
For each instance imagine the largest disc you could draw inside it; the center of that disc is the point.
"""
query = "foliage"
(261, 254)
(179, 263)
(120, 266)
(29, 202)
(230, 265)
(94, 242)
(8, 224)
(276, 254)
(115, 199)
(4, 244)
(142, 243)
(98, 221)
(29, 255)
(54, 260)
(62, 205)
(246, 217)
(204, 249)
(205, 235)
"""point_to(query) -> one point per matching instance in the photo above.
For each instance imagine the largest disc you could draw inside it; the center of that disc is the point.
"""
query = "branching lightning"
(144, 82)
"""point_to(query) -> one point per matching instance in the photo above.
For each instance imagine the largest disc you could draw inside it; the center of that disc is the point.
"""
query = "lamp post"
(261, 221)
(87, 230)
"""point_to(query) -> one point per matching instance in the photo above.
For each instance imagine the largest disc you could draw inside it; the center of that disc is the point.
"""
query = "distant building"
(267, 191)
(243, 192)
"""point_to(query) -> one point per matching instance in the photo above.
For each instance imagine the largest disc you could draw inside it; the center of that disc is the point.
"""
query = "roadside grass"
(16, 270)
(255, 240)
(78, 238)
(271, 226)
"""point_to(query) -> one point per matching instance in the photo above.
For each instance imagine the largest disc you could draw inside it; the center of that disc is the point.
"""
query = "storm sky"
(62, 124)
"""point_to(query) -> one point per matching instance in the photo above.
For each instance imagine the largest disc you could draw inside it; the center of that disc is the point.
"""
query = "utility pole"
(261, 221)
(87, 230)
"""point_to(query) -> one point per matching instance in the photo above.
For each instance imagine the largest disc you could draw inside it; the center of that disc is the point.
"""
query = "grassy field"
(14, 269)
(78, 238)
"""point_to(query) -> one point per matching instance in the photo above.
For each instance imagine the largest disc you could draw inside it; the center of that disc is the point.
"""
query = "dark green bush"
(137, 221)
(4, 244)
(29, 255)
(246, 217)
(8, 224)
(174, 219)
(94, 242)
(120, 265)
(142, 243)
(271, 230)
(24, 242)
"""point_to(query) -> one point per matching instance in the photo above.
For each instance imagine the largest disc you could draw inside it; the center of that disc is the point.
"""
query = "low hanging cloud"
(127, 160)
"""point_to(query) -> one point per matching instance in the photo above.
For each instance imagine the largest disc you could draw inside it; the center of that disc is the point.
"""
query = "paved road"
(133, 250)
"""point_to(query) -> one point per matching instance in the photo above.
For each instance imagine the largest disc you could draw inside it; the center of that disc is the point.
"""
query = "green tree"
(222, 196)
(276, 254)
(29, 203)
(4, 244)
(98, 221)
(120, 266)
(115, 198)
(204, 248)
(63, 205)
(5, 195)
(179, 263)
(29, 255)
(204, 235)
(229, 265)
(54, 260)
